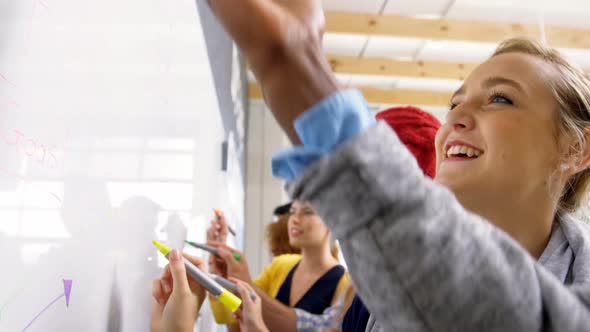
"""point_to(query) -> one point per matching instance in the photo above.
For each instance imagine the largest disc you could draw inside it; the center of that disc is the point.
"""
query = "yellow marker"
(227, 298)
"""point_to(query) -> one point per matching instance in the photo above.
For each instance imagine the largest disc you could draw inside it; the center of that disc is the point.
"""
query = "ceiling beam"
(388, 67)
(388, 97)
(441, 29)
(401, 68)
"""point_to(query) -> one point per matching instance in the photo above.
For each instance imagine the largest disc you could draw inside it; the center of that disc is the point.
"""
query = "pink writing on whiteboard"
(44, 155)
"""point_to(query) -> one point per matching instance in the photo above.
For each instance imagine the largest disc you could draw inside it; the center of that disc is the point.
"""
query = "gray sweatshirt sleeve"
(421, 262)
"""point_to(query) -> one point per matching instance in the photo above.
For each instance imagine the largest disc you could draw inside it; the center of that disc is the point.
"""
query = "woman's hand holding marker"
(218, 228)
(177, 298)
(217, 232)
(250, 314)
(227, 262)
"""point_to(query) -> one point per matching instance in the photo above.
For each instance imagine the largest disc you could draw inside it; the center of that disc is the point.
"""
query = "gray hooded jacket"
(421, 262)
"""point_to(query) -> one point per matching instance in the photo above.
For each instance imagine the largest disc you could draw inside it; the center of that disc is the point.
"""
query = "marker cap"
(164, 249)
(231, 301)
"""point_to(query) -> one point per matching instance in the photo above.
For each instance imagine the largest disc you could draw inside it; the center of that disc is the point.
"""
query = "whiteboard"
(110, 136)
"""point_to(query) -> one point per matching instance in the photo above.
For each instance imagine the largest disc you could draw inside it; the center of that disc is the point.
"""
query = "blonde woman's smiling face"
(499, 138)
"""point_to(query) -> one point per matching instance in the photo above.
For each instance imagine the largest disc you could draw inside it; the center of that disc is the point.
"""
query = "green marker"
(224, 296)
(211, 249)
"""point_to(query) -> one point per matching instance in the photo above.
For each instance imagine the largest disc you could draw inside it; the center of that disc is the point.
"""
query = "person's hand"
(217, 232)
(233, 267)
(177, 298)
(282, 41)
(250, 313)
(217, 265)
(218, 229)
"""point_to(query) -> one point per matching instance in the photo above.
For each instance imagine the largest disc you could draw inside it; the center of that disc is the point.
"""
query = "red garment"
(416, 129)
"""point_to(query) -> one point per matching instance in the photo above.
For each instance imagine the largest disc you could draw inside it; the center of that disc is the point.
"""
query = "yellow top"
(270, 281)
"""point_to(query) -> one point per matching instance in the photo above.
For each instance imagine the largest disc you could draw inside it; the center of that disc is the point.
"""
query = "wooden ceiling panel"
(389, 97)
(440, 29)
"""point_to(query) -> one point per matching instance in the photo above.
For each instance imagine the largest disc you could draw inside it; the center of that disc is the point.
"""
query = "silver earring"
(565, 167)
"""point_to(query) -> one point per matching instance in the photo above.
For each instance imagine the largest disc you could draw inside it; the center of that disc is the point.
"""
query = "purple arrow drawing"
(67, 292)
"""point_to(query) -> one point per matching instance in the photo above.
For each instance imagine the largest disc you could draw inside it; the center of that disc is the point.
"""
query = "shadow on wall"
(84, 257)
(136, 262)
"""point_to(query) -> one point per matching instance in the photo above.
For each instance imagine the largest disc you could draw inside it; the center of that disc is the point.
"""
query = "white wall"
(263, 192)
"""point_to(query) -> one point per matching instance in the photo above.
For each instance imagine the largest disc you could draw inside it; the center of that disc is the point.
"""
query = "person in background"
(278, 242)
(277, 232)
(311, 281)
